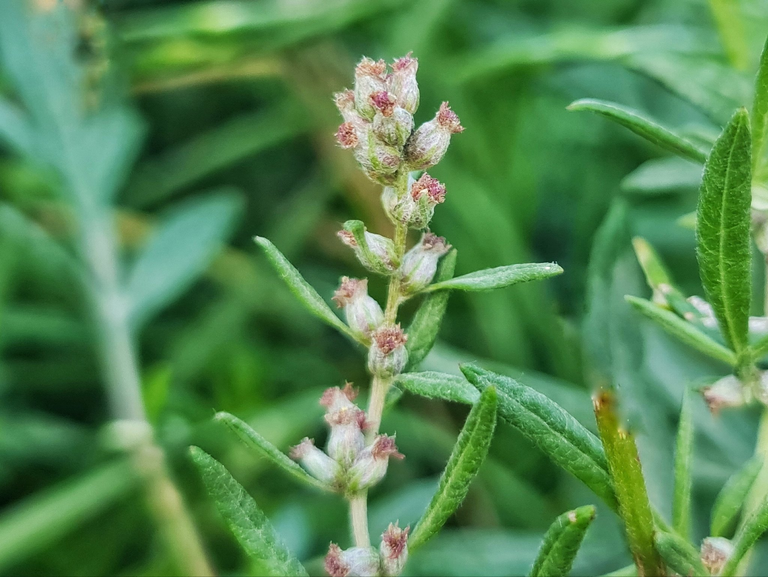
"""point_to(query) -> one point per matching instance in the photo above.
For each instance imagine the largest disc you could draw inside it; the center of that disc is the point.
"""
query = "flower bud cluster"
(366, 561)
(348, 464)
(415, 208)
(378, 121)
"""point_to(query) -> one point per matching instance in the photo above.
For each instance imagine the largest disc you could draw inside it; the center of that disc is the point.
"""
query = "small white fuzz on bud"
(402, 82)
(363, 313)
(316, 463)
(428, 144)
(371, 465)
(387, 356)
(394, 550)
(375, 252)
(420, 263)
(715, 551)
(726, 393)
(370, 77)
(415, 208)
(354, 562)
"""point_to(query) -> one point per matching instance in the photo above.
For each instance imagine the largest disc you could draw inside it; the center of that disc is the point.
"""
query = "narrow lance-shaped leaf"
(681, 502)
(746, 537)
(561, 543)
(301, 289)
(247, 522)
(499, 277)
(679, 554)
(643, 126)
(683, 330)
(465, 460)
(550, 427)
(255, 441)
(760, 114)
(723, 230)
(733, 495)
(425, 325)
(629, 484)
(434, 385)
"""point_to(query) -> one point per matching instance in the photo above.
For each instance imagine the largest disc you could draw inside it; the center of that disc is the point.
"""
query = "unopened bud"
(370, 77)
(363, 313)
(429, 143)
(346, 440)
(354, 562)
(420, 263)
(335, 398)
(375, 252)
(371, 465)
(345, 102)
(715, 551)
(394, 550)
(416, 208)
(387, 356)
(316, 462)
(380, 161)
(725, 393)
(402, 82)
(346, 135)
(394, 129)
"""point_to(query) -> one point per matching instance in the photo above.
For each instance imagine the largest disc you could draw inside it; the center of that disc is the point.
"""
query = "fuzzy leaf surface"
(732, 497)
(746, 537)
(499, 277)
(247, 522)
(760, 115)
(681, 501)
(561, 543)
(436, 385)
(679, 554)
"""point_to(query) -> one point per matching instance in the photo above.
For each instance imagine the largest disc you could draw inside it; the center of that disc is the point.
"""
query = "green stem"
(358, 516)
(759, 490)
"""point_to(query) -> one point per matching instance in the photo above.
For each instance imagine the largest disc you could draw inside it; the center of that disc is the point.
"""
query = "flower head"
(316, 462)
(420, 263)
(402, 82)
(394, 549)
(371, 465)
(428, 144)
(354, 562)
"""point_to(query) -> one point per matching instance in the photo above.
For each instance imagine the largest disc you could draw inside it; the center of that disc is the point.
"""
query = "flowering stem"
(358, 516)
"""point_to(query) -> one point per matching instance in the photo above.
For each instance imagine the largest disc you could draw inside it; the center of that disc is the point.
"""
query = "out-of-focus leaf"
(562, 542)
(643, 126)
(180, 249)
(728, 18)
(561, 437)
(246, 521)
(434, 385)
(732, 497)
(301, 288)
(681, 503)
(43, 519)
(760, 115)
(15, 130)
(628, 484)
(683, 330)
(747, 535)
(255, 441)
(724, 231)
(422, 332)
(679, 554)
(662, 175)
(499, 277)
(465, 460)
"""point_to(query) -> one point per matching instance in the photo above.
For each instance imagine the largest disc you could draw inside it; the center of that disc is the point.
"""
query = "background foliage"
(233, 99)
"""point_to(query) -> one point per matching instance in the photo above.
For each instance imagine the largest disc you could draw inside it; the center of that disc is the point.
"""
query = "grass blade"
(435, 385)
(499, 277)
(247, 522)
(561, 543)
(545, 423)
(643, 126)
(681, 502)
(732, 496)
(465, 460)
(255, 441)
(723, 231)
(679, 554)
(629, 485)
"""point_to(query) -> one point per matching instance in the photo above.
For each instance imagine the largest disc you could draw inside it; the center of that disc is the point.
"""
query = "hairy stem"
(358, 516)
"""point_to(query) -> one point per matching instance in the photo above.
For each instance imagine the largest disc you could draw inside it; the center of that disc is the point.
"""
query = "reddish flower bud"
(335, 398)
(715, 551)
(429, 143)
(394, 550)
(354, 562)
(317, 463)
(420, 263)
(387, 356)
(402, 82)
(363, 313)
(379, 160)
(384, 102)
(725, 393)
(375, 252)
(370, 77)
(346, 135)
(371, 465)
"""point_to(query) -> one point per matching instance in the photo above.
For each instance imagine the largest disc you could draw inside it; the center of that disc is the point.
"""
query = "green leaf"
(266, 449)
(181, 248)
(683, 330)
(681, 502)
(247, 522)
(422, 332)
(551, 428)
(499, 277)
(660, 176)
(655, 272)
(760, 115)
(724, 231)
(643, 126)
(679, 554)
(728, 18)
(434, 385)
(754, 526)
(465, 460)
(301, 288)
(629, 485)
(733, 495)
(15, 129)
(561, 543)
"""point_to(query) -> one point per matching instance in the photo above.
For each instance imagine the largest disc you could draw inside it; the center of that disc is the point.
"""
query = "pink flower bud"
(715, 551)
(335, 398)
(371, 465)
(370, 77)
(402, 82)
(387, 356)
(429, 143)
(346, 135)
(380, 161)
(725, 393)
(394, 550)
(375, 252)
(346, 440)
(345, 102)
(363, 313)
(420, 263)
(354, 562)
(316, 463)
(416, 208)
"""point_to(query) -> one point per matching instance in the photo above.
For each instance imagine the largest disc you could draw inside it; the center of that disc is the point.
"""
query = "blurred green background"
(234, 102)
